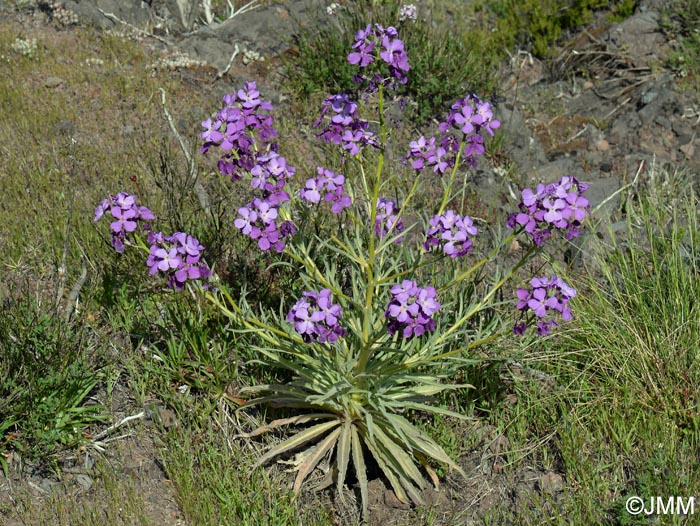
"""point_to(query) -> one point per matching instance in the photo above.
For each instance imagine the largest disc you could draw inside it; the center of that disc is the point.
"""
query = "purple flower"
(345, 128)
(331, 186)
(410, 309)
(559, 206)
(312, 191)
(390, 70)
(316, 317)
(548, 297)
(127, 214)
(178, 256)
(363, 54)
(452, 232)
(387, 219)
(246, 222)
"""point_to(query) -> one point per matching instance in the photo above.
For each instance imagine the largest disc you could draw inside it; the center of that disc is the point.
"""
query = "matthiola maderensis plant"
(380, 323)
(368, 338)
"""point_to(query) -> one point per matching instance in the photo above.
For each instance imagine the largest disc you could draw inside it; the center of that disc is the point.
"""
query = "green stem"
(476, 308)
(366, 348)
(448, 189)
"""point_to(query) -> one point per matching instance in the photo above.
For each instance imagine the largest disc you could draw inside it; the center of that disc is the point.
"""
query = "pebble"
(53, 82)
(550, 483)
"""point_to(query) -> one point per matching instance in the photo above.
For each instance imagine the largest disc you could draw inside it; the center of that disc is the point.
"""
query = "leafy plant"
(359, 364)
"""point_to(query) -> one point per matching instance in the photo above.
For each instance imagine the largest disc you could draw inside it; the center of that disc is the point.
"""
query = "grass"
(618, 417)
(623, 420)
(217, 485)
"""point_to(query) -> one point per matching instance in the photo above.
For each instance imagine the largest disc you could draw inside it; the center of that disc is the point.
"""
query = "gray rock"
(524, 149)
(602, 191)
(134, 12)
(53, 82)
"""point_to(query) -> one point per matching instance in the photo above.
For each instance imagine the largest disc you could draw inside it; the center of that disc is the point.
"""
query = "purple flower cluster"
(558, 205)
(126, 214)
(244, 131)
(388, 219)
(240, 126)
(317, 318)
(548, 296)
(471, 116)
(258, 220)
(411, 308)
(179, 256)
(344, 127)
(452, 232)
(374, 43)
(331, 185)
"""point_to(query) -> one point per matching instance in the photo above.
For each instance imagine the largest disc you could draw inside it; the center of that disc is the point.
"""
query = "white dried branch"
(199, 190)
(97, 438)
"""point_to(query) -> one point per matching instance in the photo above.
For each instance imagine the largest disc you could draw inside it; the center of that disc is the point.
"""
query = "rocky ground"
(603, 112)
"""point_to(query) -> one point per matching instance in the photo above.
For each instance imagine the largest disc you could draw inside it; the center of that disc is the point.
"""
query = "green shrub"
(447, 61)
(538, 24)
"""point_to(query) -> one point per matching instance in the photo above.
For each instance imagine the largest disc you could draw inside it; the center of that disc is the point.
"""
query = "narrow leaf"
(299, 419)
(343, 455)
(358, 461)
(314, 458)
(297, 441)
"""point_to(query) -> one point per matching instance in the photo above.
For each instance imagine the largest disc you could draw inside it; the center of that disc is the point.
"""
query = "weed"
(46, 377)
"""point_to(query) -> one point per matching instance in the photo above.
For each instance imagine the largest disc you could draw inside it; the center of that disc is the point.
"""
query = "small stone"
(85, 481)
(602, 145)
(688, 150)
(606, 167)
(53, 82)
(648, 97)
(392, 501)
(588, 85)
(662, 121)
(683, 131)
(550, 483)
